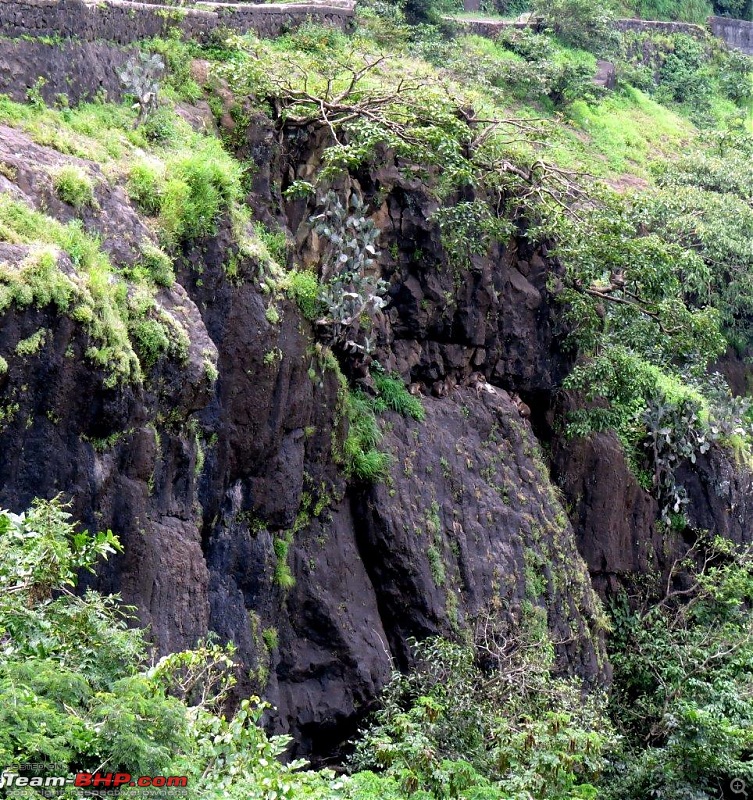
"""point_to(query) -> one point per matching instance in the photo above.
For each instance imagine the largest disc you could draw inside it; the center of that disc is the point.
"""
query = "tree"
(683, 666)
(580, 23)
(78, 689)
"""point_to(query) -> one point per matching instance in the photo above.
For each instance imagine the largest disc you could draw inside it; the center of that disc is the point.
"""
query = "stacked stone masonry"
(737, 33)
(125, 22)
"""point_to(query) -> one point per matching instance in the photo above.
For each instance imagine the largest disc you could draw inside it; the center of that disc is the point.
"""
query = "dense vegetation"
(490, 721)
(510, 137)
(694, 11)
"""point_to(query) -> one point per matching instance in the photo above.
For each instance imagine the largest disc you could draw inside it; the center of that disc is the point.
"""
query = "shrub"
(361, 457)
(201, 185)
(157, 264)
(32, 344)
(697, 11)
(571, 77)
(159, 127)
(315, 39)
(97, 298)
(271, 638)
(304, 288)
(526, 43)
(73, 186)
(684, 76)
(146, 186)
(580, 23)
(190, 192)
(151, 340)
(282, 576)
(682, 674)
(736, 76)
(275, 241)
(458, 727)
(177, 57)
(741, 9)
(351, 293)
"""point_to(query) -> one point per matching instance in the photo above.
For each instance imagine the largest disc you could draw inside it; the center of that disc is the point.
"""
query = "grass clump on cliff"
(360, 453)
(187, 191)
(90, 295)
(73, 186)
(122, 325)
(392, 394)
(303, 286)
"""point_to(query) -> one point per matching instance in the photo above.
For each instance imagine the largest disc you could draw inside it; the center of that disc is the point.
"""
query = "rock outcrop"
(221, 488)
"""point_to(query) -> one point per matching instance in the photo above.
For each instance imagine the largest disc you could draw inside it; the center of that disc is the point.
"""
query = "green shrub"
(190, 192)
(97, 300)
(741, 9)
(527, 43)
(146, 186)
(159, 126)
(458, 727)
(32, 344)
(683, 666)
(151, 340)
(73, 186)
(684, 76)
(178, 56)
(271, 638)
(304, 288)
(156, 264)
(580, 23)
(275, 241)
(697, 11)
(571, 77)
(283, 577)
(736, 76)
(201, 184)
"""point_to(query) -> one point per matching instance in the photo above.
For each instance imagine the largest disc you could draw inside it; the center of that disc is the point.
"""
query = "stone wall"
(125, 22)
(659, 26)
(491, 27)
(736, 32)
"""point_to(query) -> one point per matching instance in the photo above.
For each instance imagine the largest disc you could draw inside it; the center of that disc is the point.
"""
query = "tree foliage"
(682, 675)
(78, 691)
(488, 722)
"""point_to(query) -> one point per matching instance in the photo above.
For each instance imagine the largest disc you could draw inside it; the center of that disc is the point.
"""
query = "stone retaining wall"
(659, 26)
(124, 21)
(491, 27)
(736, 32)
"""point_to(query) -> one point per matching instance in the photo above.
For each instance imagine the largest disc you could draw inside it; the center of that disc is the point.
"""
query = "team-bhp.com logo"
(91, 780)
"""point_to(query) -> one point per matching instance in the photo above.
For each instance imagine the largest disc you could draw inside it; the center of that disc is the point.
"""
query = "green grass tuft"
(394, 395)
(304, 288)
(73, 186)
(360, 454)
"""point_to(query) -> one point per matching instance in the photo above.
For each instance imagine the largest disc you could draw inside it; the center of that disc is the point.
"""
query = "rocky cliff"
(227, 446)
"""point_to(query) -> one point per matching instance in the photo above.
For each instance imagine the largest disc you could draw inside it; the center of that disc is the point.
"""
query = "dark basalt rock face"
(202, 479)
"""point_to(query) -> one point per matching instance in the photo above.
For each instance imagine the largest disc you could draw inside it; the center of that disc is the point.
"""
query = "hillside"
(407, 371)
